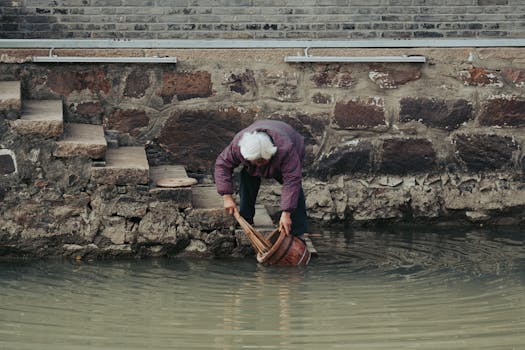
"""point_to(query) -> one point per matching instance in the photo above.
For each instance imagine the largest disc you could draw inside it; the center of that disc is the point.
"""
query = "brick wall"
(261, 19)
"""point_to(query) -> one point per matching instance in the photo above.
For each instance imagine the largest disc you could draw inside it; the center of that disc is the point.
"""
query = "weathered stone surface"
(65, 81)
(207, 131)
(243, 83)
(282, 86)
(485, 152)
(332, 76)
(360, 113)
(387, 77)
(438, 113)
(130, 121)
(7, 162)
(503, 111)
(402, 156)
(185, 85)
(350, 158)
(43, 117)
(515, 76)
(10, 98)
(137, 82)
(124, 166)
(323, 99)
(82, 140)
(480, 77)
(90, 112)
(210, 219)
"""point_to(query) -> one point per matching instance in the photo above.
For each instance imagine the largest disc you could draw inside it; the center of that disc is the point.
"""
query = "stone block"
(82, 140)
(243, 83)
(350, 158)
(10, 98)
(124, 166)
(444, 114)
(282, 86)
(480, 77)
(210, 219)
(89, 112)
(360, 113)
(42, 117)
(332, 76)
(179, 197)
(185, 85)
(387, 77)
(503, 111)
(137, 82)
(64, 81)
(485, 152)
(130, 121)
(515, 76)
(207, 141)
(7, 162)
(402, 156)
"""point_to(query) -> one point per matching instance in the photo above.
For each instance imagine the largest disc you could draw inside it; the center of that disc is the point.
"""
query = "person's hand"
(229, 204)
(285, 223)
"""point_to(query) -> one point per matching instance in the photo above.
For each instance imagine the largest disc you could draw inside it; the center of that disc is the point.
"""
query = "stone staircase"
(115, 166)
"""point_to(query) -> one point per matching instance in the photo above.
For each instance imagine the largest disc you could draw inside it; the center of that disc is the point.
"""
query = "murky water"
(366, 290)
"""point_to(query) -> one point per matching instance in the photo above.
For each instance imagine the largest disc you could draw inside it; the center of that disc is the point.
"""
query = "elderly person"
(270, 149)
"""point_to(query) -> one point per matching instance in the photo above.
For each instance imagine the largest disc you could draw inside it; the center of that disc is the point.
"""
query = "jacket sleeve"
(226, 162)
(292, 180)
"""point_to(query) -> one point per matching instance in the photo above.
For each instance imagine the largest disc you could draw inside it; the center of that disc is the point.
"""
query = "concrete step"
(40, 117)
(10, 98)
(179, 196)
(124, 166)
(82, 140)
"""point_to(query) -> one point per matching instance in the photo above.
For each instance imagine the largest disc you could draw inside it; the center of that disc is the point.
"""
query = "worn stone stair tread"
(10, 95)
(42, 117)
(82, 140)
(171, 176)
(206, 197)
(124, 166)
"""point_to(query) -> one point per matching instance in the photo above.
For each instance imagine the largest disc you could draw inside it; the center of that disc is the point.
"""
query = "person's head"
(257, 147)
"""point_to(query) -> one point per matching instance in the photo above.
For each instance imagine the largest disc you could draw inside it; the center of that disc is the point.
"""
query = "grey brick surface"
(262, 19)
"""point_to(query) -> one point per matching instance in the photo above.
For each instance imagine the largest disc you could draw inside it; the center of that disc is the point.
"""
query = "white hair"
(256, 145)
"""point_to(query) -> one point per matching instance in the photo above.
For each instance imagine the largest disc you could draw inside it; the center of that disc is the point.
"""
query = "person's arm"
(224, 165)
(292, 180)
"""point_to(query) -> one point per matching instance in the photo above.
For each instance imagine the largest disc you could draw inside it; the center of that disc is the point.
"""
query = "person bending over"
(270, 149)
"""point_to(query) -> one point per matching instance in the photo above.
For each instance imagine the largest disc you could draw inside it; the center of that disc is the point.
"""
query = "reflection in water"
(368, 289)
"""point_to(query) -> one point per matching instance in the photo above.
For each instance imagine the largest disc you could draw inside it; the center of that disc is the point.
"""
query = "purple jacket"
(285, 165)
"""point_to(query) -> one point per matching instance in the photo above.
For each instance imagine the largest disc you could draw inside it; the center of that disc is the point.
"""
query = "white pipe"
(408, 59)
(244, 44)
(93, 59)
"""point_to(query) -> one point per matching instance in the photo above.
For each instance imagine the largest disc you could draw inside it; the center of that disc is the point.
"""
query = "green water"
(366, 290)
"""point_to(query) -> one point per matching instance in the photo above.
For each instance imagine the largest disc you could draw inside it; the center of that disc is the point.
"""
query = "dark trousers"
(248, 190)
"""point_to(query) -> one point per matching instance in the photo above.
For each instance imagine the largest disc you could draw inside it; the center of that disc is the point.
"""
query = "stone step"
(180, 196)
(10, 98)
(124, 166)
(82, 140)
(40, 117)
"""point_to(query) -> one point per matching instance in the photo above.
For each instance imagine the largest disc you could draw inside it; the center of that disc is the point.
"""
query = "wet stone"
(448, 115)
(402, 156)
(503, 111)
(346, 159)
(485, 152)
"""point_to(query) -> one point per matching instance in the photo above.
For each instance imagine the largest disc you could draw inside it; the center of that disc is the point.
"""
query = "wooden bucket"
(286, 250)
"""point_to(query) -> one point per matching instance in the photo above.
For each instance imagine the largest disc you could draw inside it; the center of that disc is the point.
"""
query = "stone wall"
(439, 142)
(261, 19)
